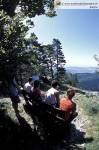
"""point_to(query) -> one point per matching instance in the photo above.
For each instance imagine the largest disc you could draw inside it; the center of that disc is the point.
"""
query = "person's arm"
(72, 108)
(17, 86)
(38, 92)
(57, 98)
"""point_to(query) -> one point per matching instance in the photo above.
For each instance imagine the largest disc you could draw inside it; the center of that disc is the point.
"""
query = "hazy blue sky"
(77, 30)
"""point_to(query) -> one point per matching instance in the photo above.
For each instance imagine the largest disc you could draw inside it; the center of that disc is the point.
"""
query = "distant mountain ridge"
(88, 81)
(81, 69)
(87, 77)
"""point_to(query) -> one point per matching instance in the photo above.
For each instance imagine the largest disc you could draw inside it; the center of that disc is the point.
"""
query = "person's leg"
(15, 101)
(15, 106)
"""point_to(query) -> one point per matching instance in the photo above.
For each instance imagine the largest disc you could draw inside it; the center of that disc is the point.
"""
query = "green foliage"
(72, 79)
(49, 57)
(92, 108)
(97, 60)
(60, 60)
(22, 55)
(16, 54)
(11, 44)
(53, 61)
(29, 8)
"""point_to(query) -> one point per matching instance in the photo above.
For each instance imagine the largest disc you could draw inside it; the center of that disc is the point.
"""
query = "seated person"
(28, 85)
(35, 92)
(52, 95)
(68, 105)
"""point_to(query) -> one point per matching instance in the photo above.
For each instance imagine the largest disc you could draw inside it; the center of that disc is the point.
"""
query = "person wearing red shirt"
(68, 105)
(35, 91)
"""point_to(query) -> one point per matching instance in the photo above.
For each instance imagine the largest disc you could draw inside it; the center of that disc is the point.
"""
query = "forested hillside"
(88, 81)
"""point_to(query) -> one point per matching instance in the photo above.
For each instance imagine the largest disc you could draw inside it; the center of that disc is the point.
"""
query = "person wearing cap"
(66, 104)
(28, 85)
(52, 95)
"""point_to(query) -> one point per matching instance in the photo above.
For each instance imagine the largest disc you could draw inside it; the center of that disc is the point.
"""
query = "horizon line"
(82, 66)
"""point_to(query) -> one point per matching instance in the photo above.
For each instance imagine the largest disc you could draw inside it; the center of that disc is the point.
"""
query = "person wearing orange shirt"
(68, 105)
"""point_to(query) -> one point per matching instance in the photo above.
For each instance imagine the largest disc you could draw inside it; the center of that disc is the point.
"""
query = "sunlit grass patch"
(90, 105)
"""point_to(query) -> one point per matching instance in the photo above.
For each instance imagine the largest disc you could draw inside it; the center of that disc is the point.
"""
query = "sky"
(76, 29)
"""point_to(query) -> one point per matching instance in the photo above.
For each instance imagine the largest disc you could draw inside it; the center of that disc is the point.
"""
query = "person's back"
(12, 87)
(28, 85)
(52, 95)
(67, 104)
(35, 92)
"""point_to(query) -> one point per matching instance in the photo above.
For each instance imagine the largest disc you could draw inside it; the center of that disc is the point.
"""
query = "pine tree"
(60, 60)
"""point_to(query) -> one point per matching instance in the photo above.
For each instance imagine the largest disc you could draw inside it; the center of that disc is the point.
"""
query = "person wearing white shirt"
(28, 85)
(52, 95)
